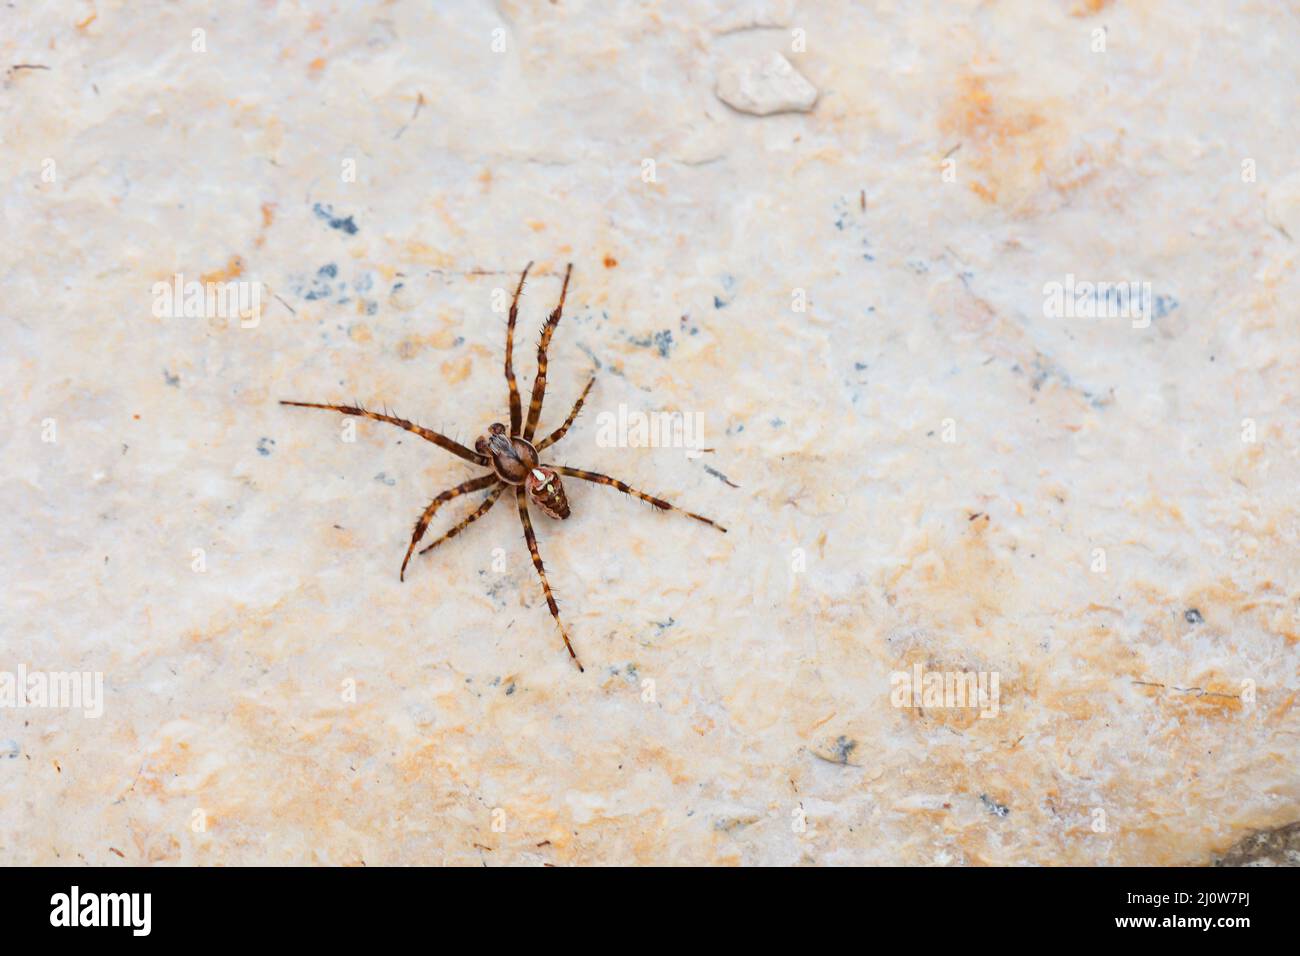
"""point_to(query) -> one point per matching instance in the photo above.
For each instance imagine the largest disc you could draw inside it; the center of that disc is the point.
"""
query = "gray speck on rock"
(995, 808)
(335, 222)
(664, 342)
(264, 446)
(837, 751)
(9, 750)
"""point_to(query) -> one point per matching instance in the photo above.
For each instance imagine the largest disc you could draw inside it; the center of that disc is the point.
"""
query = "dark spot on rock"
(843, 748)
(1164, 304)
(720, 476)
(1193, 616)
(664, 342)
(264, 446)
(335, 222)
(321, 287)
(995, 808)
(170, 379)
(1277, 847)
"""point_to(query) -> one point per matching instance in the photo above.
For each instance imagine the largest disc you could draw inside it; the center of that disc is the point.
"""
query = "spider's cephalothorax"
(515, 462)
(513, 457)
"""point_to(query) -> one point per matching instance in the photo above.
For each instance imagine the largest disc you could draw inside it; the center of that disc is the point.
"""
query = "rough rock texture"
(1277, 847)
(919, 468)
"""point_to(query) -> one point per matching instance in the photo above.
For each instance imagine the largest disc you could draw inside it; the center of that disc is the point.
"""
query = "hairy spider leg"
(615, 483)
(473, 516)
(539, 383)
(559, 433)
(516, 412)
(464, 488)
(442, 441)
(521, 497)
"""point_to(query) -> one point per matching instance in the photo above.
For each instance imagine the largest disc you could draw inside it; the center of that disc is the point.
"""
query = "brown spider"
(513, 457)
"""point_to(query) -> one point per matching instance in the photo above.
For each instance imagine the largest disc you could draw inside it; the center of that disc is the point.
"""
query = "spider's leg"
(615, 483)
(556, 435)
(539, 383)
(442, 441)
(464, 488)
(516, 412)
(474, 515)
(521, 497)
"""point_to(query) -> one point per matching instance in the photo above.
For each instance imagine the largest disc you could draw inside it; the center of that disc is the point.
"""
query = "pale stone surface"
(765, 85)
(932, 472)
(1284, 206)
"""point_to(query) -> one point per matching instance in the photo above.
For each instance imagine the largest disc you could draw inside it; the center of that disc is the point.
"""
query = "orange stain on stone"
(1010, 147)
(456, 370)
(233, 269)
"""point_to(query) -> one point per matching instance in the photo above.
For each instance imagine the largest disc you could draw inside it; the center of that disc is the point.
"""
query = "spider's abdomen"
(547, 493)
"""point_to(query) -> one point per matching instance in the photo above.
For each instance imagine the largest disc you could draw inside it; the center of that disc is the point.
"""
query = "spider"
(513, 457)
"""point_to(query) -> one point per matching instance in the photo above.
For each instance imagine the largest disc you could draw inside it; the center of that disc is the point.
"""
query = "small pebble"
(765, 85)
